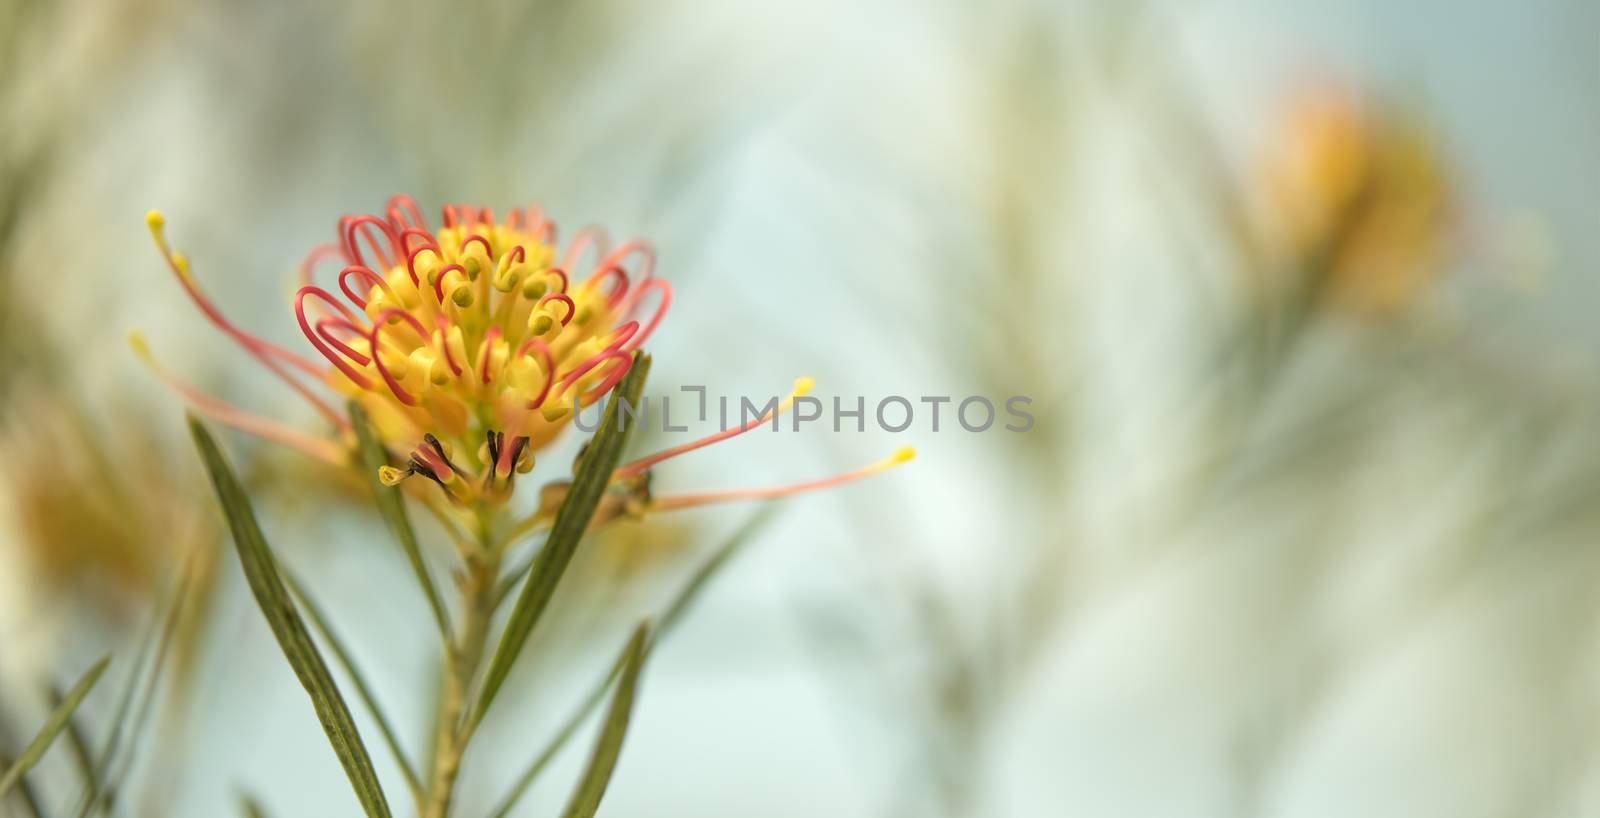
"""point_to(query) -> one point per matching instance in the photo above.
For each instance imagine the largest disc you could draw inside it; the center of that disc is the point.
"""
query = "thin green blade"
(585, 799)
(116, 755)
(392, 505)
(319, 620)
(53, 726)
(261, 571)
(251, 807)
(81, 755)
(27, 794)
(572, 520)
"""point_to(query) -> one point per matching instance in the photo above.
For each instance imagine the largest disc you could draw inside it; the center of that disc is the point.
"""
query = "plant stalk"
(463, 656)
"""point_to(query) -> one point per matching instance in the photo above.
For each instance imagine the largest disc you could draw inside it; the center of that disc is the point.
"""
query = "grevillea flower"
(1361, 192)
(469, 345)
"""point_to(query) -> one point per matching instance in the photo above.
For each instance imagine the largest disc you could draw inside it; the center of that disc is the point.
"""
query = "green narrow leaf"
(392, 505)
(26, 795)
(251, 807)
(261, 571)
(52, 727)
(81, 755)
(674, 612)
(572, 520)
(592, 786)
(141, 716)
(152, 647)
(320, 621)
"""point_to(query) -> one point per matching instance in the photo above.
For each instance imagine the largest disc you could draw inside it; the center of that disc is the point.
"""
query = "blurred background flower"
(1301, 294)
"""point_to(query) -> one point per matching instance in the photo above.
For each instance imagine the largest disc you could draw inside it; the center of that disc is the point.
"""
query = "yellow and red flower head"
(471, 342)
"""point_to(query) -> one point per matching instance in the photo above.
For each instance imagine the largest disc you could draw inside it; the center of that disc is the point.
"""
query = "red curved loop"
(621, 334)
(411, 262)
(407, 234)
(661, 309)
(443, 323)
(316, 339)
(624, 361)
(438, 280)
(488, 352)
(350, 225)
(541, 226)
(619, 292)
(572, 309)
(645, 250)
(557, 271)
(402, 208)
(318, 254)
(591, 235)
(479, 238)
(324, 330)
(373, 280)
(382, 321)
(549, 368)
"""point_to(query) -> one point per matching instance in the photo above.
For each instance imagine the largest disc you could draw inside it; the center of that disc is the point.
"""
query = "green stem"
(463, 656)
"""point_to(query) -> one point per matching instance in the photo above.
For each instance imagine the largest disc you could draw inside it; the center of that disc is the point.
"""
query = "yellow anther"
(140, 347)
(431, 364)
(439, 375)
(903, 455)
(802, 386)
(534, 287)
(427, 265)
(180, 262)
(422, 361)
(397, 365)
(391, 476)
(506, 279)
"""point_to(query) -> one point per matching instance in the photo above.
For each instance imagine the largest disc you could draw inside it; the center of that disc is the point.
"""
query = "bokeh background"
(1302, 293)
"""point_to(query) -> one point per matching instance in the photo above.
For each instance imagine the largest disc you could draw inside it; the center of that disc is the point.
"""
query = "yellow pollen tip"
(801, 387)
(155, 220)
(141, 347)
(903, 455)
(390, 476)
